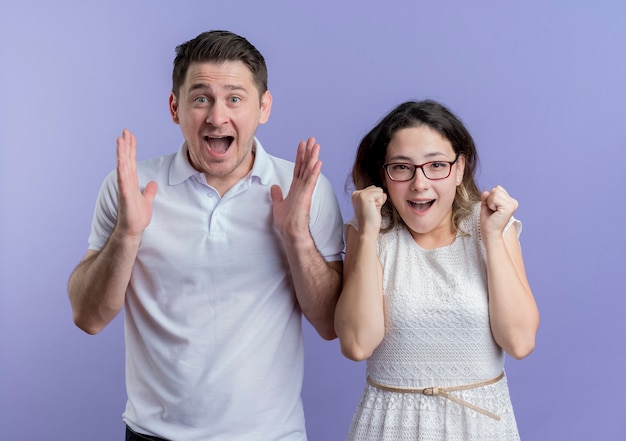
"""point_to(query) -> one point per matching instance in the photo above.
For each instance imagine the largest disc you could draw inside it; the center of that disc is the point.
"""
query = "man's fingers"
(126, 159)
(150, 191)
(300, 156)
(307, 157)
(276, 193)
(126, 147)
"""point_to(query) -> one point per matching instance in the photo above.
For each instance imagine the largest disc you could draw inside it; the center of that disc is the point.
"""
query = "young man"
(213, 265)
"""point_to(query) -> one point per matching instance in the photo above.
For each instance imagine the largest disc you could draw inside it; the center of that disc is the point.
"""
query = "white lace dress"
(437, 335)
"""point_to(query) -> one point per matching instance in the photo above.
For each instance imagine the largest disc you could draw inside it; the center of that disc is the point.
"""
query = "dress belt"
(443, 392)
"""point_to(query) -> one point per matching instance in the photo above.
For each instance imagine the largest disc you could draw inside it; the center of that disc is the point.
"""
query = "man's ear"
(266, 107)
(174, 108)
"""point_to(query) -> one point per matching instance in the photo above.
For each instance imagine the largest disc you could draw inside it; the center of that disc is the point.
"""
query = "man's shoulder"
(156, 162)
(155, 167)
(272, 169)
(280, 163)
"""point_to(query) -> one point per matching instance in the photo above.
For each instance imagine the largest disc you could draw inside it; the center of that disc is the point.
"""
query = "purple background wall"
(540, 84)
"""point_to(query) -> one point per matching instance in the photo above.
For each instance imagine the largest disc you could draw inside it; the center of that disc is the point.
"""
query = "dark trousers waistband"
(131, 435)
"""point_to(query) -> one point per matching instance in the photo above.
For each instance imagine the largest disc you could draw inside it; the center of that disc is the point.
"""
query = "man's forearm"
(317, 284)
(97, 287)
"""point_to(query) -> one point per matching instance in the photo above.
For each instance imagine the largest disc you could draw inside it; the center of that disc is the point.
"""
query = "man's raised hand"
(134, 207)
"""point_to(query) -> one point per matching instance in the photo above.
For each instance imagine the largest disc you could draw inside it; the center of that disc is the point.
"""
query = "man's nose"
(217, 114)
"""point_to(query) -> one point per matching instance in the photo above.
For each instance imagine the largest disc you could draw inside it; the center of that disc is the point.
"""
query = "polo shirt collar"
(262, 167)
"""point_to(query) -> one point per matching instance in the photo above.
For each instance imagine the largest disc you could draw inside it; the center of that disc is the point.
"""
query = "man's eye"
(201, 100)
(235, 99)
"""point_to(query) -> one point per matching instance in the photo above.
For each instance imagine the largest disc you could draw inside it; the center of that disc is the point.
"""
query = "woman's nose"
(419, 181)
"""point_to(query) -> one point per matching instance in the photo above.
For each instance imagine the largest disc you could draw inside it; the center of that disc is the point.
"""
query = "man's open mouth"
(218, 144)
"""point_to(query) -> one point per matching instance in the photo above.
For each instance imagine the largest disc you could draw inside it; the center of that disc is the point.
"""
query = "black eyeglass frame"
(420, 166)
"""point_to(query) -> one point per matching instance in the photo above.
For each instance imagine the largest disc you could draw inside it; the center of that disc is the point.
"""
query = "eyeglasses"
(434, 170)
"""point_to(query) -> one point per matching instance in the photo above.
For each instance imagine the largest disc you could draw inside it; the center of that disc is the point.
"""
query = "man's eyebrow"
(197, 86)
(205, 86)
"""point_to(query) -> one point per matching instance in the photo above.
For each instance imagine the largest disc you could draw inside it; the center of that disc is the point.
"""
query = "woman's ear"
(383, 178)
(460, 169)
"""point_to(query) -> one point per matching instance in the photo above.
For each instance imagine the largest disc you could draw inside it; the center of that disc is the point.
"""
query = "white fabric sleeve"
(105, 213)
(326, 222)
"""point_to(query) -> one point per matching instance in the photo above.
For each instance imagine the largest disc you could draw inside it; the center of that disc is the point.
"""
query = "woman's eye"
(400, 167)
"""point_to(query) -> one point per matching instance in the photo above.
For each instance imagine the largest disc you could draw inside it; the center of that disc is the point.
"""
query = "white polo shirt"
(213, 329)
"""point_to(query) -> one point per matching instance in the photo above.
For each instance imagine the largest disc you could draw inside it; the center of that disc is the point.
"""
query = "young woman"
(434, 289)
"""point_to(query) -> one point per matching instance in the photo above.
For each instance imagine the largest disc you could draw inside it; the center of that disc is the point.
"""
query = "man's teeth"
(218, 144)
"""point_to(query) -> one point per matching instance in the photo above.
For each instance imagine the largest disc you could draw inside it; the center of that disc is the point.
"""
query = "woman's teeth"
(421, 206)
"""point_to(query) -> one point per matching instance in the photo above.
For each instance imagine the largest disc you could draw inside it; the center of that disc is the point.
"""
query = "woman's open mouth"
(421, 206)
